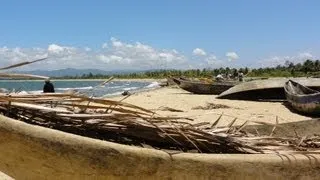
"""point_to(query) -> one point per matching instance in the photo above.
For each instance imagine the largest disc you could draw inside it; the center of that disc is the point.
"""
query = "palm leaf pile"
(129, 124)
(125, 123)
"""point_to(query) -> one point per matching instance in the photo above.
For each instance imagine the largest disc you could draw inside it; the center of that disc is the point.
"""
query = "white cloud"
(213, 62)
(104, 45)
(115, 42)
(115, 54)
(232, 56)
(280, 60)
(212, 59)
(199, 52)
(53, 48)
(110, 58)
(4, 49)
(305, 55)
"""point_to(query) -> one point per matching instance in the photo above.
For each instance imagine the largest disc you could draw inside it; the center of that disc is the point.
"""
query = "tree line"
(288, 69)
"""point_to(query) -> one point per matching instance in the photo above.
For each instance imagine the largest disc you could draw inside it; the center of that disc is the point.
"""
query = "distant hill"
(75, 72)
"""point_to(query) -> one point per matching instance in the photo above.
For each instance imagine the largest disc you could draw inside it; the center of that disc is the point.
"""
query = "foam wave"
(112, 94)
(114, 87)
(153, 85)
(23, 92)
(106, 91)
(79, 88)
(130, 88)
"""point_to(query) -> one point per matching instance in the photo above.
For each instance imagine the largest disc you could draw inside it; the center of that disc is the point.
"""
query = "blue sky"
(257, 32)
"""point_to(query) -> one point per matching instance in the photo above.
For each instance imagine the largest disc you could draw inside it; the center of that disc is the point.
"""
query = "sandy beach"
(161, 99)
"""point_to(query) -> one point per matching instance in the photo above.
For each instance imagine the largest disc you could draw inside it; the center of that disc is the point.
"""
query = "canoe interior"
(297, 89)
(303, 99)
(265, 89)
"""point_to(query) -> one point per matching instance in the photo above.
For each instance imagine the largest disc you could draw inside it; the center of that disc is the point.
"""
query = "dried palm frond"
(130, 124)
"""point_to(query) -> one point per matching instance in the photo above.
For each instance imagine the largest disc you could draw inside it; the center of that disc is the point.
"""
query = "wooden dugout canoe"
(198, 87)
(265, 89)
(302, 99)
(33, 152)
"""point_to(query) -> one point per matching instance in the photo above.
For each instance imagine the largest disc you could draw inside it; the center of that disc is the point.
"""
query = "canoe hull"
(270, 89)
(33, 152)
(310, 108)
(198, 87)
(302, 99)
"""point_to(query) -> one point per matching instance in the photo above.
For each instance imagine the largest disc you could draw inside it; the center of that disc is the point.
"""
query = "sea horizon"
(89, 87)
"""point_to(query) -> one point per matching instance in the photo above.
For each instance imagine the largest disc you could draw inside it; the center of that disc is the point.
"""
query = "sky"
(149, 34)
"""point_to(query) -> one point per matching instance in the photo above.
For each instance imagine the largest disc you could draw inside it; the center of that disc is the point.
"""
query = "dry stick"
(66, 99)
(165, 133)
(230, 124)
(108, 102)
(242, 126)
(274, 127)
(301, 140)
(258, 122)
(118, 101)
(214, 125)
(9, 107)
(101, 84)
(22, 64)
(102, 107)
(85, 109)
(107, 81)
(199, 124)
(179, 130)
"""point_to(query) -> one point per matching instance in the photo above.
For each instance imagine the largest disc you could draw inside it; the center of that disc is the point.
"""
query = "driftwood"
(129, 124)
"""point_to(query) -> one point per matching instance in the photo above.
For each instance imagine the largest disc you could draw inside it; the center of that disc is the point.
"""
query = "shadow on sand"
(287, 105)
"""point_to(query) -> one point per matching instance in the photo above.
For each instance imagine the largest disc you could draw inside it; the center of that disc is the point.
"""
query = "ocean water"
(90, 88)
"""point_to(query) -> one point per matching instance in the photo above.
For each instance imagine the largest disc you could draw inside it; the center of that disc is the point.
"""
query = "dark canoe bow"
(269, 89)
(301, 98)
(198, 87)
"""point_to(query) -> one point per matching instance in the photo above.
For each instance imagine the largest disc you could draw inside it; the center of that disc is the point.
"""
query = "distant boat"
(302, 99)
(199, 87)
(269, 89)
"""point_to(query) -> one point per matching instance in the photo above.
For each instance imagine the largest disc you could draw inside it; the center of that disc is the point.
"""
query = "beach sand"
(173, 97)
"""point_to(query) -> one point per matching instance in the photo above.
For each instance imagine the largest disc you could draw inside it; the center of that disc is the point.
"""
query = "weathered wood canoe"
(302, 99)
(34, 152)
(198, 87)
(265, 89)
